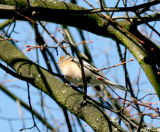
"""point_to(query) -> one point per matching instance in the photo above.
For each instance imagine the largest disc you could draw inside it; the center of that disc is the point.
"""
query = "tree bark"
(146, 52)
(65, 96)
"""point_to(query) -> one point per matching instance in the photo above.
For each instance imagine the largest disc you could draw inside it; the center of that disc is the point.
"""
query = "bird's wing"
(99, 73)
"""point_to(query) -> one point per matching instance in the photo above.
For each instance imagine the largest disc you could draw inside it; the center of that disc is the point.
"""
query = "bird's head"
(63, 58)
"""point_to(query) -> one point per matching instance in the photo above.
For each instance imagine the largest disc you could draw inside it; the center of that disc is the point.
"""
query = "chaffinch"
(71, 69)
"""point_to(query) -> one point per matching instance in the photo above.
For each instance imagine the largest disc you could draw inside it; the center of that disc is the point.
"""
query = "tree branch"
(146, 18)
(63, 95)
(147, 54)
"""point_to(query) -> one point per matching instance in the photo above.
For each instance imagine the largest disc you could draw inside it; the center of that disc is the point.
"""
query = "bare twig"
(115, 65)
(29, 99)
(26, 18)
(109, 19)
(8, 27)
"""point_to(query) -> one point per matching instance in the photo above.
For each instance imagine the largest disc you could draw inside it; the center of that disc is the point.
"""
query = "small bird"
(71, 69)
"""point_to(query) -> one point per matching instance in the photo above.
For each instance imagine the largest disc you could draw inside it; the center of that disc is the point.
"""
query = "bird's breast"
(71, 71)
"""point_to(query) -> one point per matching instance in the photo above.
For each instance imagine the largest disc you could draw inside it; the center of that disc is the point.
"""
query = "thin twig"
(8, 27)
(142, 104)
(115, 65)
(109, 19)
(26, 18)
(29, 99)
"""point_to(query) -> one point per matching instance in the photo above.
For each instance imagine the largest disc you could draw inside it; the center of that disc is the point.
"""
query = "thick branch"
(66, 13)
(147, 18)
(137, 21)
(61, 12)
(63, 95)
(97, 10)
(124, 9)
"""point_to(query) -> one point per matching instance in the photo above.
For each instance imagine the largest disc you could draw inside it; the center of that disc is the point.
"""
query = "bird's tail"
(115, 85)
